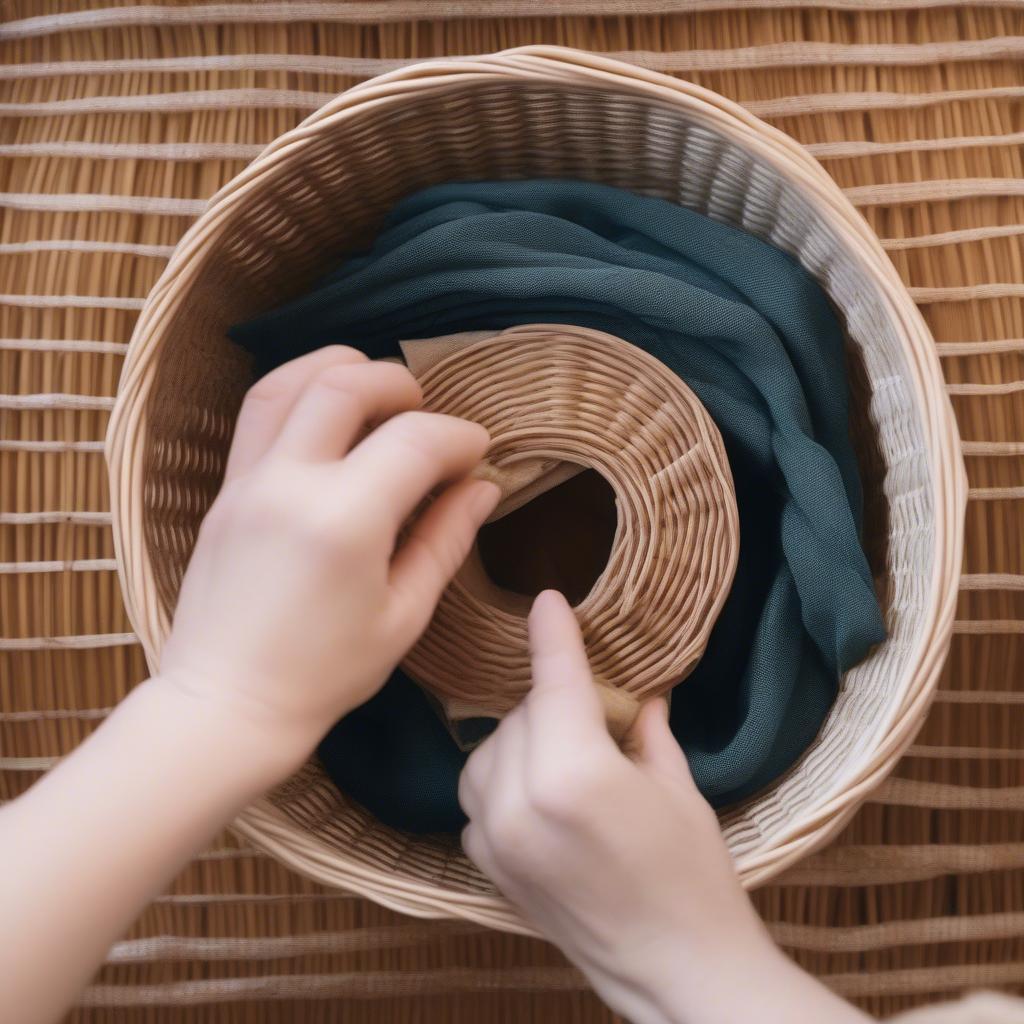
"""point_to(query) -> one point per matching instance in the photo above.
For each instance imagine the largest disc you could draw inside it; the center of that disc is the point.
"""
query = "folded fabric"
(753, 335)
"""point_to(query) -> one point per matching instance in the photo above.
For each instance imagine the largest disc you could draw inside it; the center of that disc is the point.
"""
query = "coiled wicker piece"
(321, 191)
(558, 398)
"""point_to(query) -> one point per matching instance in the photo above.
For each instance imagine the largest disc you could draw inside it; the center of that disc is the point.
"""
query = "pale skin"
(303, 593)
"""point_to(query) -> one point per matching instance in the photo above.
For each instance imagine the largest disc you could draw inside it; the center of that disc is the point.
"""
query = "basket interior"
(308, 212)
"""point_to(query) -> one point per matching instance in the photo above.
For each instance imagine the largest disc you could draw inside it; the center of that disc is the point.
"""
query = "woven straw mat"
(118, 122)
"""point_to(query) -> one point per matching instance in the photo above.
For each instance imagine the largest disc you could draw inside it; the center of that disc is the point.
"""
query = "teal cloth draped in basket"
(752, 334)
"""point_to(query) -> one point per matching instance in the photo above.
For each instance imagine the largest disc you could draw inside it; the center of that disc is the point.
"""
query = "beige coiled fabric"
(551, 395)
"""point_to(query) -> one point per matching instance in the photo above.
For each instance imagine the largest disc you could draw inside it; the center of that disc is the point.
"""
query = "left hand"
(619, 860)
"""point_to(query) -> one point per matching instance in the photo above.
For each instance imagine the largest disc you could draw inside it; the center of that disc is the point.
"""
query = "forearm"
(774, 991)
(751, 980)
(93, 841)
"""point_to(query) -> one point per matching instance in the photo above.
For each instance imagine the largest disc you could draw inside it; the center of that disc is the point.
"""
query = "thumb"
(564, 700)
(652, 745)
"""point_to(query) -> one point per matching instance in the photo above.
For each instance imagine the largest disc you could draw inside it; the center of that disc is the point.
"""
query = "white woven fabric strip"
(1009, 387)
(944, 796)
(968, 292)
(62, 345)
(83, 245)
(891, 864)
(163, 103)
(68, 643)
(56, 400)
(203, 899)
(374, 11)
(354, 67)
(83, 202)
(178, 151)
(845, 150)
(923, 980)
(988, 627)
(742, 58)
(816, 54)
(995, 493)
(55, 518)
(931, 191)
(389, 984)
(27, 764)
(861, 938)
(365, 11)
(992, 581)
(200, 151)
(170, 948)
(837, 102)
(1001, 448)
(80, 447)
(352, 985)
(971, 348)
(979, 697)
(961, 236)
(73, 301)
(786, 106)
(67, 565)
(948, 753)
(56, 715)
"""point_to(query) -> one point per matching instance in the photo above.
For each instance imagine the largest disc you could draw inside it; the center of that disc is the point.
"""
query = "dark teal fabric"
(755, 337)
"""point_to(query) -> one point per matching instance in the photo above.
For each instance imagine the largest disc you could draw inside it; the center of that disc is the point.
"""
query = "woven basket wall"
(916, 111)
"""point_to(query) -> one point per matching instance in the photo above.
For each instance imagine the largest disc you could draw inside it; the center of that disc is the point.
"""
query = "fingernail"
(548, 603)
(484, 499)
(549, 597)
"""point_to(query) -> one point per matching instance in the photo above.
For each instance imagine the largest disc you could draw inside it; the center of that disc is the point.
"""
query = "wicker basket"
(323, 189)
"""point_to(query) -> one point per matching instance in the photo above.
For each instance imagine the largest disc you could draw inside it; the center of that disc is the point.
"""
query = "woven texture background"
(118, 122)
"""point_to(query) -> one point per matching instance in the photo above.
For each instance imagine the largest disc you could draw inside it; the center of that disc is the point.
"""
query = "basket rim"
(266, 826)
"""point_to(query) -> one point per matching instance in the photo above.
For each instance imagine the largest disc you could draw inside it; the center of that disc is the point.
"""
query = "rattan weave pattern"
(916, 112)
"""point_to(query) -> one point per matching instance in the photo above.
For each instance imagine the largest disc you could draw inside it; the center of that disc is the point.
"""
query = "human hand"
(619, 860)
(297, 604)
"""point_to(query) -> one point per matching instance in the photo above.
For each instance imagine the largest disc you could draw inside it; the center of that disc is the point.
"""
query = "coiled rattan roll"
(551, 395)
(321, 191)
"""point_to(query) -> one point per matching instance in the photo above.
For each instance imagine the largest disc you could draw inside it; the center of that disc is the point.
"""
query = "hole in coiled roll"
(560, 540)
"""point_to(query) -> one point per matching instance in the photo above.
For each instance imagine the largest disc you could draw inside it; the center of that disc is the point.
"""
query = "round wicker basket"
(322, 189)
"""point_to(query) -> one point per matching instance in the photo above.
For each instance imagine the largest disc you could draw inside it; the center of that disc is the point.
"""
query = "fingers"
(474, 781)
(563, 705)
(496, 768)
(472, 784)
(335, 406)
(436, 546)
(271, 398)
(401, 462)
(652, 744)
(476, 849)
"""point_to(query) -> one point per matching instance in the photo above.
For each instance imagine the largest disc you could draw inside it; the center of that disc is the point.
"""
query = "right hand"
(618, 861)
(304, 590)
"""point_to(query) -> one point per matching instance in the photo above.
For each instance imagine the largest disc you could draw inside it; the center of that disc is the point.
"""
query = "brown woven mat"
(116, 123)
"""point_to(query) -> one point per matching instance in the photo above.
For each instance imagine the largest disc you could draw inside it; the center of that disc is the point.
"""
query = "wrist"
(751, 980)
(698, 980)
(253, 745)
